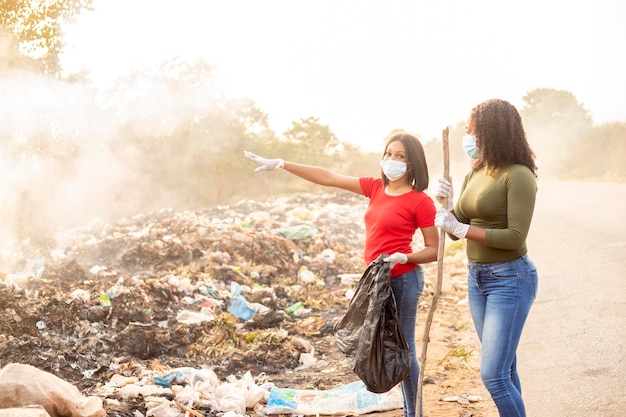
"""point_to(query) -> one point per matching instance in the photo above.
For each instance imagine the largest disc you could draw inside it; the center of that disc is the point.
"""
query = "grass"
(454, 247)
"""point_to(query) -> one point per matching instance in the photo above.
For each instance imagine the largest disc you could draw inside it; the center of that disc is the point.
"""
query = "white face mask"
(393, 170)
(469, 146)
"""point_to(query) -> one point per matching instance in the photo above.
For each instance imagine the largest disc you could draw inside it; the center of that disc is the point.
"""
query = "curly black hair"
(499, 129)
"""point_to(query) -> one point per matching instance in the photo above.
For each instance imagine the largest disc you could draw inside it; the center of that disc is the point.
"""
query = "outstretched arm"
(323, 176)
(311, 173)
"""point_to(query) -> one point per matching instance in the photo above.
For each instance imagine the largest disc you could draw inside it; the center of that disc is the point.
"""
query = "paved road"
(573, 350)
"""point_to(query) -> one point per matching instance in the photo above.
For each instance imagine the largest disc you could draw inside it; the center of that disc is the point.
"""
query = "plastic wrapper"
(352, 399)
(22, 385)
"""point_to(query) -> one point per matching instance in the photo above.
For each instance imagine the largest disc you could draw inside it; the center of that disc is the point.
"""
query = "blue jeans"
(500, 297)
(407, 289)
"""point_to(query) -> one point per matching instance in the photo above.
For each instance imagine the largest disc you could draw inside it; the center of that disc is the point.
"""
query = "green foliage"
(185, 139)
(309, 142)
(459, 355)
(166, 138)
(173, 141)
(562, 135)
(601, 155)
(555, 107)
(555, 124)
(35, 28)
(565, 141)
(454, 246)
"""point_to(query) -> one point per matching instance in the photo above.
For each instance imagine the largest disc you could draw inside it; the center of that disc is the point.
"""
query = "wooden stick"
(433, 306)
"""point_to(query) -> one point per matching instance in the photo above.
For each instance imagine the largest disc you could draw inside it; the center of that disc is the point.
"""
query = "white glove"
(396, 258)
(264, 164)
(449, 224)
(444, 190)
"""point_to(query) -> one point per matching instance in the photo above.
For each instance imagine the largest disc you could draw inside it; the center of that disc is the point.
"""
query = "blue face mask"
(469, 146)
(393, 170)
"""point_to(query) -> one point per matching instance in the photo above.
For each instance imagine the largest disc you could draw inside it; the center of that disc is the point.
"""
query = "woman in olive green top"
(494, 212)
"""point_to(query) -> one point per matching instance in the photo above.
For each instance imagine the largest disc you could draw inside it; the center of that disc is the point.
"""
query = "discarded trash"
(350, 399)
(79, 294)
(28, 411)
(195, 317)
(292, 308)
(33, 268)
(298, 232)
(116, 289)
(301, 213)
(462, 399)
(24, 384)
(305, 275)
(327, 255)
(176, 274)
(349, 279)
(105, 300)
(307, 360)
(168, 379)
(194, 387)
(239, 307)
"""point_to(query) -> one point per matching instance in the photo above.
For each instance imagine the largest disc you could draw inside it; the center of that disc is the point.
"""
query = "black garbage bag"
(369, 334)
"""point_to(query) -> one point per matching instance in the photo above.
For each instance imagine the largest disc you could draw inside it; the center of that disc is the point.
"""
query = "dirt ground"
(157, 291)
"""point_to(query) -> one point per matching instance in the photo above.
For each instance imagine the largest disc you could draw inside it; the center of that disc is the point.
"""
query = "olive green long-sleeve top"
(502, 203)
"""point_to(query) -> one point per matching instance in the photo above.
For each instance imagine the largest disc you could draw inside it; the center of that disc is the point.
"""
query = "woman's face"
(395, 151)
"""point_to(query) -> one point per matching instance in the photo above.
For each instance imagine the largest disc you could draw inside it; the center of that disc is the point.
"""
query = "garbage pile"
(247, 293)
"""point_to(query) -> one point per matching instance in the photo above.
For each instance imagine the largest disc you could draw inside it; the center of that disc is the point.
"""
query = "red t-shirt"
(391, 221)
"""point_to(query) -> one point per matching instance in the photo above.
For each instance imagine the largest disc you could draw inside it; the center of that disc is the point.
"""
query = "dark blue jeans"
(500, 297)
(407, 289)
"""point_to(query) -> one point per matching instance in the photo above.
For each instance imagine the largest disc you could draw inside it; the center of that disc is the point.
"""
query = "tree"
(36, 27)
(311, 142)
(555, 123)
(549, 106)
(183, 137)
(601, 155)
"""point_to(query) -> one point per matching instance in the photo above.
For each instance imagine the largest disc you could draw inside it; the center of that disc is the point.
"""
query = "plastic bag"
(22, 385)
(370, 335)
(351, 399)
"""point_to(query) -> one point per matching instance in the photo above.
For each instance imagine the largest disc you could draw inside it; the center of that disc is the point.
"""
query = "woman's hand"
(449, 224)
(396, 258)
(264, 164)
(445, 192)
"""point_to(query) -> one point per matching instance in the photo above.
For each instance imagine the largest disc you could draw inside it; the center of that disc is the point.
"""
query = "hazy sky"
(366, 67)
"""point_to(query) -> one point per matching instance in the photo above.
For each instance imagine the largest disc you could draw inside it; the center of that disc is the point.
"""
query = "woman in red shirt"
(398, 207)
